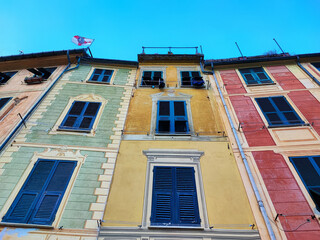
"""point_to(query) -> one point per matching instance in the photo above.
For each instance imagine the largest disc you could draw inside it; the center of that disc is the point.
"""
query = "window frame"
(190, 69)
(91, 74)
(174, 158)
(190, 75)
(151, 69)
(256, 77)
(171, 97)
(15, 72)
(307, 188)
(152, 76)
(85, 98)
(285, 123)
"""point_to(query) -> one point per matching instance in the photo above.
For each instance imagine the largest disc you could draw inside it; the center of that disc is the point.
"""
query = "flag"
(81, 41)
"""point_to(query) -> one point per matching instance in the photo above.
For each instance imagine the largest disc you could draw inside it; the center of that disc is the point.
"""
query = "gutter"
(245, 161)
(29, 113)
(307, 72)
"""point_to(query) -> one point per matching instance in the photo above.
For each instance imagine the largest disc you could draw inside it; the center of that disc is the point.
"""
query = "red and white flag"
(82, 41)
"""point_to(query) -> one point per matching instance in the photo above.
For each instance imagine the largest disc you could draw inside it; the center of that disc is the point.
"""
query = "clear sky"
(121, 27)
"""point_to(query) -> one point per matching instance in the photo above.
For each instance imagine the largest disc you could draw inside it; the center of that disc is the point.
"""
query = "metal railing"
(170, 48)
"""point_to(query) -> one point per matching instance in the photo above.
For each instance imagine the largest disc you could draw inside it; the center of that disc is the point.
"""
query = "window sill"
(260, 84)
(289, 125)
(107, 83)
(24, 225)
(74, 130)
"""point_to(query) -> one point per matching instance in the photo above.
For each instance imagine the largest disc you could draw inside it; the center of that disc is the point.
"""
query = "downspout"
(9, 138)
(245, 161)
(306, 71)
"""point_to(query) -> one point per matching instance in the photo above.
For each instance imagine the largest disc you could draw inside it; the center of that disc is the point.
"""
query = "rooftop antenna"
(21, 52)
(201, 49)
(239, 49)
(278, 45)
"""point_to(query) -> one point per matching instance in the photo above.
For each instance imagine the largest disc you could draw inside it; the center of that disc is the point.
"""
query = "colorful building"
(55, 175)
(176, 176)
(274, 106)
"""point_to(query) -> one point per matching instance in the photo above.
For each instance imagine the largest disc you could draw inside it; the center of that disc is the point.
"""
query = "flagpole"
(90, 49)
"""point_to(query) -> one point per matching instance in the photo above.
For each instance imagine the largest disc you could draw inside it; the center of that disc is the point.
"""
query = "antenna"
(278, 45)
(239, 49)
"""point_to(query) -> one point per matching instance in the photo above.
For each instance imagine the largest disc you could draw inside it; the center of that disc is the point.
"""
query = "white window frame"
(174, 158)
(154, 69)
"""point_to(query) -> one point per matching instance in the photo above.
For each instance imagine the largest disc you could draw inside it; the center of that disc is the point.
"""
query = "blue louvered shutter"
(45, 211)
(81, 116)
(163, 117)
(162, 196)
(180, 123)
(30, 193)
(186, 197)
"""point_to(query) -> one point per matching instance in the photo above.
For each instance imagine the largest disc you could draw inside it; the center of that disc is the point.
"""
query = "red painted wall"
(287, 197)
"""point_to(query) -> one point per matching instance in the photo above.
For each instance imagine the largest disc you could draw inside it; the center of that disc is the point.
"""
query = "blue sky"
(121, 27)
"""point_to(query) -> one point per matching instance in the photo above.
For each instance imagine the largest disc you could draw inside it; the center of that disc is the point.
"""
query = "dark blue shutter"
(308, 169)
(30, 193)
(278, 111)
(174, 197)
(47, 206)
(81, 116)
(180, 121)
(187, 202)
(162, 197)
(185, 78)
(4, 101)
(39, 198)
(163, 117)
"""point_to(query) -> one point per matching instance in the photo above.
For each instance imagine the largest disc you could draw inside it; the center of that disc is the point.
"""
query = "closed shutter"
(308, 169)
(81, 116)
(180, 117)
(174, 198)
(39, 198)
(163, 117)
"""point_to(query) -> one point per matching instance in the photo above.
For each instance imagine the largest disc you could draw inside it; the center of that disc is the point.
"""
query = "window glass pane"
(247, 70)
(265, 105)
(92, 109)
(274, 118)
(315, 194)
(157, 75)
(195, 74)
(282, 104)
(258, 69)
(77, 108)
(317, 161)
(307, 171)
(185, 74)
(98, 71)
(164, 108)
(262, 76)
(107, 72)
(85, 123)
(94, 78)
(147, 75)
(291, 117)
(70, 121)
(105, 79)
(179, 109)
(250, 79)
(164, 126)
(317, 65)
(3, 101)
(180, 126)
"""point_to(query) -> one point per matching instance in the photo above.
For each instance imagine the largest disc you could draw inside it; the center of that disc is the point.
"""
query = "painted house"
(55, 176)
(24, 80)
(274, 105)
(176, 176)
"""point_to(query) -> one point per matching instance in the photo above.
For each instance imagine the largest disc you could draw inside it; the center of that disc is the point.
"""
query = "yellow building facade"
(174, 138)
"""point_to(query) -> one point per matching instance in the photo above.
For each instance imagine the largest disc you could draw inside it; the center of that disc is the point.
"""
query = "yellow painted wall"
(226, 199)
(206, 120)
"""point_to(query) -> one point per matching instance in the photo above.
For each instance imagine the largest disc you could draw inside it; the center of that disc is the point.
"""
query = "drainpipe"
(9, 138)
(245, 161)
(306, 71)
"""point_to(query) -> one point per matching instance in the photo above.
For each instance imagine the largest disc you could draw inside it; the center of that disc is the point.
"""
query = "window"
(172, 117)
(101, 75)
(308, 169)
(152, 78)
(191, 78)
(4, 101)
(316, 65)
(39, 198)
(81, 116)
(45, 73)
(5, 76)
(174, 197)
(278, 111)
(255, 76)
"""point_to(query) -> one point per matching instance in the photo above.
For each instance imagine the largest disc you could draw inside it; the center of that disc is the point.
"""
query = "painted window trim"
(151, 69)
(270, 125)
(114, 73)
(85, 98)
(256, 78)
(316, 208)
(174, 158)
(49, 154)
(171, 97)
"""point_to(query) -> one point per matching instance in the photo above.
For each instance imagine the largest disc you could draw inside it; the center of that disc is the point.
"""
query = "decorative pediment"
(171, 94)
(90, 98)
(62, 153)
